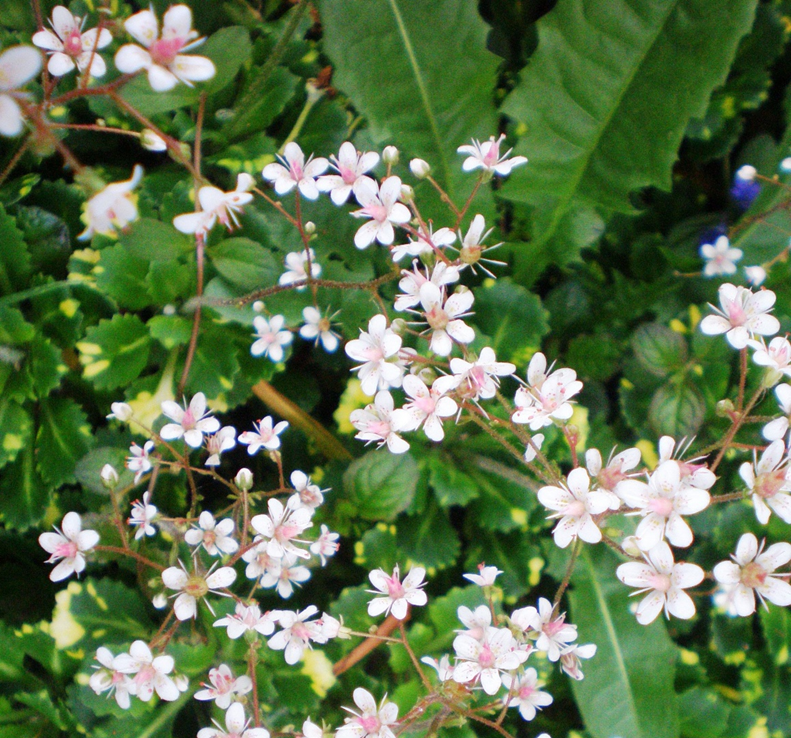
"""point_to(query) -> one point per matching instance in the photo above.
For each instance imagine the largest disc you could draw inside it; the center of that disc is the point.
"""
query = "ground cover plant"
(373, 368)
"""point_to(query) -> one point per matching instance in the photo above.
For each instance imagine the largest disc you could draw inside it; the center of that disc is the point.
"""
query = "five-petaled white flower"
(139, 462)
(162, 56)
(270, 337)
(478, 379)
(398, 594)
(776, 356)
(486, 658)
(298, 631)
(282, 526)
(663, 582)
(306, 494)
(18, 65)
(751, 572)
(351, 165)
(613, 477)
(113, 208)
(485, 577)
(193, 587)
(223, 686)
(325, 545)
(443, 316)
(108, 679)
(318, 328)
(486, 156)
(546, 398)
(70, 47)
(720, 258)
(68, 546)
(295, 172)
(191, 421)
(381, 423)
(575, 505)
(570, 661)
(235, 726)
(265, 435)
(525, 693)
(284, 575)
(427, 407)
(143, 512)
(217, 205)
(411, 282)
(769, 481)
(213, 536)
(246, 618)
(381, 205)
(297, 263)
(378, 350)
(744, 313)
(150, 672)
(223, 440)
(371, 721)
(472, 249)
(552, 634)
(425, 241)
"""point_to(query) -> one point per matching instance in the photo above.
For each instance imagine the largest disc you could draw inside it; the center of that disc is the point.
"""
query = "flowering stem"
(567, 576)
(467, 204)
(252, 660)
(368, 645)
(133, 554)
(729, 436)
(415, 662)
(742, 378)
(18, 154)
(199, 244)
(472, 716)
(306, 245)
(446, 199)
(118, 519)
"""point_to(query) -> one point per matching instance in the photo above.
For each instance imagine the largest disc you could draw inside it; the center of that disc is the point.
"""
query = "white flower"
(282, 576)
(111, 209)
(613, 477)
(532, 448)
(411, 282)
(425, 244)
(161, 56)
(235, 726)
(217, 205)
(259, 562)
(525, 693)
(486, 156)
(370, 722)
(139, 462)
(191, 421)
(477, 621)
(120, 411)
(486, 577)
(193, 587)
(472, 248)
(223, 440)
(298, 631)
(427, 408)
(214, 537)
(247, 618)
(662, 502)
(319, 328)
(420, 168)
(307, 494)
(756, 275)
(351, 165)
(150, 673)
(776, 356)
(68, 46)
(570, 660)
(398, 594)
(444, 317)
(296, 173)
(107, 679)
(297, 262)
(379, 422)
(442, 667)
(282, 526)
(720, 258)
(484, 659)
(777, 428)
(270, 338)
(575, 505)
(325, 545)
(142, 514)
(67, 546)
(224, 686)
(381, 205)
(552, 634)
(378, 350)
(109, 476)
(265, 435)
(478, 379)
(743, 314)
(663, 582)
(18, 65)
(769, 483)
(546, 398)
(750, 572)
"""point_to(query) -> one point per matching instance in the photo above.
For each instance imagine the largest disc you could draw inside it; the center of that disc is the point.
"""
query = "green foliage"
(380, 485)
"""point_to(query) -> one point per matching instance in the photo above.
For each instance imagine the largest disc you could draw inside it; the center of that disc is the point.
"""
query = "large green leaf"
(419, 72)
(64, 437)
(605, 102)
(628, 687)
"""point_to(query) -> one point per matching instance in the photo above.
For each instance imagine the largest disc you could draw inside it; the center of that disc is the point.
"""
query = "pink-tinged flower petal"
(131, 58)
(185, 606)
(89, 39)
(691, 500)
(66, 568)
(71, 525)
(466, 647)
(566, 531)
(635, 574)
(780, 502)
(87, 539)
(18, 65)
(174, 577)
(743, 600)
(650, 606)
(379, 605)
(680, 604)
(490, 681)
(143, 27)
(399, 609)
(177, 22)
(678, 531)
(161, 79)
(687, 575)
(47, 40)
(649, 532)
(466, 671)
(166, 688)
(223, 577)
(775, 556)
(555, 498)
(588, 530)
(714, 325)
(762, 511)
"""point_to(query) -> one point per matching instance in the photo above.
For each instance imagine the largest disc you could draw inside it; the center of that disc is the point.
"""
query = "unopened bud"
(251, 636)
(314, 93)
(151, 141)
(630, 546)
(310, 227)
(771, 378)
(420, 168)
(407, 194)
(169, 310)
(120, 411)
(398, 326)
(160, 601)
(725, 408)
(182, 682)
(109, 476)
(390, 155)
(244, 479)
(258, 306)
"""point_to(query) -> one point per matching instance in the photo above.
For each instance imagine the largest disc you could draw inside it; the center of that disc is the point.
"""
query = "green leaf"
(704, 714)
(122, 276)
(659, 349)
(605, 102)
(428, 539)
(776, 624)
(23, 494)
(14, 256)
(677, 409)
(154, 240)
(380, 485)
(245, 263)
(64, 437)
(47, 238)
(171, 282)
(229, 48)
(451, 485)
(115, 351)
(628, 686)
(16, 429)
(170, 330)
(214, 365)
(397, 74)
(514, 318)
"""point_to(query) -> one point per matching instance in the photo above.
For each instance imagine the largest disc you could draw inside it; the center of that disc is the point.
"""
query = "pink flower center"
(209, 538)
(370, 723)
(395, 589)
(196, 587)
(659, 582)
(66, 550)
(163, 51)
(662, 506)
(300, 630)
(377, 211)
(609, 477)
(553, 627)
(72, 44)
(145, 675)
(526, 691)
(491, 152)
(575, 509)
(769, 484)
(736, 314)
(348, 175)
(296, 170)
(753, 575)
(286, 532)
(437, 318)
(486, 658)
(188, 421)
(426, 404)
(379, 428)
